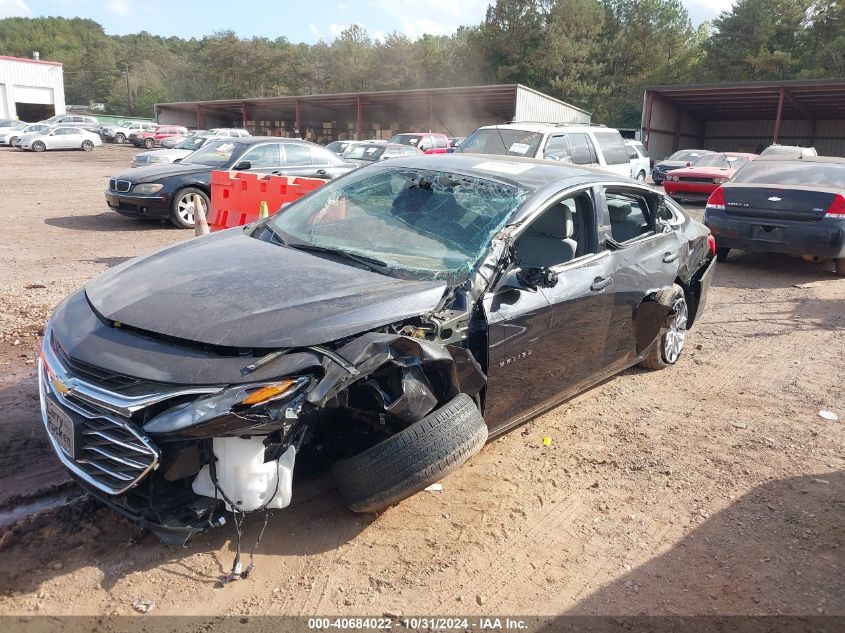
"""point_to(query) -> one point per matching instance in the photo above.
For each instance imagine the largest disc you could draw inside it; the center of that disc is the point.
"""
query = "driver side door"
(547, 343)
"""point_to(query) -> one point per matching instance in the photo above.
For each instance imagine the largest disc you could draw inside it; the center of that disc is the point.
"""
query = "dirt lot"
(712, 487)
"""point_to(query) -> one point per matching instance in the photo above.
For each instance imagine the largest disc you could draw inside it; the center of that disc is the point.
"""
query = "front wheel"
(641, 176)
(12, 141)
(149, 143)
(185, 202)
(87, 146)
(667, 349)
(38, 146)
(413, 458)
(119, 138)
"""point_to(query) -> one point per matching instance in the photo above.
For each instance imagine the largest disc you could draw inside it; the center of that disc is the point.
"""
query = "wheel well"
(691, 298)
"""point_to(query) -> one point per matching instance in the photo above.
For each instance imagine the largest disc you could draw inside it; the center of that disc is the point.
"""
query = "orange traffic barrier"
(236, 196)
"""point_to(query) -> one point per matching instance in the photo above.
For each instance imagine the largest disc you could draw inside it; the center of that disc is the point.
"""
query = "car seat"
(624, 226)
(548, 241)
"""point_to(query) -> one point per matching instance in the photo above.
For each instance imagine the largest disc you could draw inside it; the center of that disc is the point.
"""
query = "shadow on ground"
(107, 221)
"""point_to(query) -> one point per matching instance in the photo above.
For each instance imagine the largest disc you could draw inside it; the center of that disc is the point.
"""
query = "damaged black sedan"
(392, 320)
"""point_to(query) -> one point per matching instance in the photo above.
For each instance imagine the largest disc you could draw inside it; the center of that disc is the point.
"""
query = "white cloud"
(119, 7)
(14, 9)
(315, 31)
(335, 29)
(377, 36)
(412, 16)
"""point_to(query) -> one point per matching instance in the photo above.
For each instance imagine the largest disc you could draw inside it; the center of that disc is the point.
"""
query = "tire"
(120, 138)
(667, 349)
(413, 459)
(181, 207)
(722, 253)
(87, 146)
(641, 176)
(657, 181)
(149, 143)
(839, 266)
(38, 146)
(12, 141)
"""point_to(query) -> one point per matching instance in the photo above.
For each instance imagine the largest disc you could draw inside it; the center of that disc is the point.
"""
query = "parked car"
(151, 138)
(704, 176)
(789, 150)
(640, 162)
(120, 132)
(782, 204)
(183, 148)
(396, 318)
(60, 137)
(681, 158)
(230, 132)
(365, 153)
(341, 147)
(588, 145)
(8, 132)
(81, 121)
(169, 191)
(428, 142)
(8, 123)
(170, 143)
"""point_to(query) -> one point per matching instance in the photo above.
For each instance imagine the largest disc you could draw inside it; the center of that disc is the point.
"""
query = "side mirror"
(244, 164)
(689, 163)
(178, 160)
(534, 278)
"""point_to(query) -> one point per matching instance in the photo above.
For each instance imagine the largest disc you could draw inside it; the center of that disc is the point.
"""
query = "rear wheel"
(722, 253)
(667, 349)
(120, 138)
(12, 141)
(641, 176)
(149, 143)
(87, 146)
(38, 146)
(184, 203)
(412, 459)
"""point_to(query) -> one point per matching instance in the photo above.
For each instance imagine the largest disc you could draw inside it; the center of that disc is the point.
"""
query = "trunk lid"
(777, 202)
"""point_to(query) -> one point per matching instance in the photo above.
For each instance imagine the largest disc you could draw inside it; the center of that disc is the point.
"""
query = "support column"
(243, 114)
(358, 118)
(297, 123)
(647, 127)
(776, 135)
(200, 118)
(676, 139)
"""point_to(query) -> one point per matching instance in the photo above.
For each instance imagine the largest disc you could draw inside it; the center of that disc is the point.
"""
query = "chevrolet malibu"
(393, 321)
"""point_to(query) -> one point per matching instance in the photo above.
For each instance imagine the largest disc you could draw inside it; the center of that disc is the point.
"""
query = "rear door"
(63, 138)
(613, 153)
(582, 149)
(645, 256)
(265, 158)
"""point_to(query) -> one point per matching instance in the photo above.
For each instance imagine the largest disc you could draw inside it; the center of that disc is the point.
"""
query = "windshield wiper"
(376, 265)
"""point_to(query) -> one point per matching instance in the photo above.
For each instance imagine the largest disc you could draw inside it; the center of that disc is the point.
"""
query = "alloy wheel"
(186, 206)
(673, 341)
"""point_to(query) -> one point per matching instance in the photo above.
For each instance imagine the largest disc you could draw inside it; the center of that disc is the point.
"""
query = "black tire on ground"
(178, 211)
(658, 182)
(120, 138)
(659, 356)
(722, 253)
(12, 141)
(149, 143)
(641, 176)
(38, 146)
(413, 459)
(87, 146)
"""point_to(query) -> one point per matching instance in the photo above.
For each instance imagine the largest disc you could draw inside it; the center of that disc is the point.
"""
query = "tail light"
(717, 200)
(837, 207)
(711, 244)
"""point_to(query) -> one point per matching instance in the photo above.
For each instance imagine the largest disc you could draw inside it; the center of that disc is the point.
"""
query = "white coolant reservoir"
(244, 476)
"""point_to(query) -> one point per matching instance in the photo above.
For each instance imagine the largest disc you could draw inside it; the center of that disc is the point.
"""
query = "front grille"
(696, 179)
(121, 186)
(108, 380)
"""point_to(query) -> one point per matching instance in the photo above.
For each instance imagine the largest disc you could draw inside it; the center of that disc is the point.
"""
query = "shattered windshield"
(502, 142)
(421, 224)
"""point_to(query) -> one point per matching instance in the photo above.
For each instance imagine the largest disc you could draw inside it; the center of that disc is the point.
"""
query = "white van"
(592, 145)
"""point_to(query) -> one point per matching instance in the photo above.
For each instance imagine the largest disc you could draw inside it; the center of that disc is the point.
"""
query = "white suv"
(591, 145)
(232, 132)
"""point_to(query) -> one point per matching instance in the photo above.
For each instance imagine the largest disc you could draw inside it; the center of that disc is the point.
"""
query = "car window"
(214, 154)
(320, 156)
(268, 155)
(629, 215)
(502, 142)
(65, 130)
(557, 148)
(583, 152)
(441, 141)
(391, 153)
(632, 153)
(297, 155)
(563, 232)
(612, 146)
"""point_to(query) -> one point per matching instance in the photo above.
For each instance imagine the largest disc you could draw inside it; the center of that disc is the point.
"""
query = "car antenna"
(446, 127)
(502, 138)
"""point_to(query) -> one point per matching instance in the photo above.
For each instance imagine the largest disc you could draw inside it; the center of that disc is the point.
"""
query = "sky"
(296, 20)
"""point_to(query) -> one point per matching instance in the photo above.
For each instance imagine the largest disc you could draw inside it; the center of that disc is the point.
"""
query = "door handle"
(600, 283)
(668, 258)
(322, 172)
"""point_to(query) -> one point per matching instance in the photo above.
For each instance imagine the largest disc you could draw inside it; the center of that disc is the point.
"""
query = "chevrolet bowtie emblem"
(774, 199)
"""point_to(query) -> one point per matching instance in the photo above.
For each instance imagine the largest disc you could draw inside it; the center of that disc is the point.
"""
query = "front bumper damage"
(176, 461)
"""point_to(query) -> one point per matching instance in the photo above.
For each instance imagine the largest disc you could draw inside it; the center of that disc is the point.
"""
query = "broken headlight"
(231, 410)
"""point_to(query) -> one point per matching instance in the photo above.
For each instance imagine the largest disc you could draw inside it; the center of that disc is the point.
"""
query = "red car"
(427, 142)
(151, 138)
(705, 175)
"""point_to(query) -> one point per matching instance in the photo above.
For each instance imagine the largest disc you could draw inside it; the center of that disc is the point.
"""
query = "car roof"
(546, 128)
(786, 158)
(535, 175)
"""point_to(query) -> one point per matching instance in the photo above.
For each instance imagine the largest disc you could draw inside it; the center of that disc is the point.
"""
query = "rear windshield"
(786, 150)
(612, 146)
(407, 139)
(807, 174)
(502, 142)
(687, 154)
(365, 152)
(720, 160)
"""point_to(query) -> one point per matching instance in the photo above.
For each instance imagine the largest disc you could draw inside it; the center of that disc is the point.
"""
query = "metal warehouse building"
(30, 89)
(745, 117)
(361, 115)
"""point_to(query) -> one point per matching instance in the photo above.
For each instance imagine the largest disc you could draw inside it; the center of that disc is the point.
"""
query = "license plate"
(61, 427)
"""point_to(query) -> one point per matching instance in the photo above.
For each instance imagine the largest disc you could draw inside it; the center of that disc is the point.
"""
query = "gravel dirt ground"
(713, 487)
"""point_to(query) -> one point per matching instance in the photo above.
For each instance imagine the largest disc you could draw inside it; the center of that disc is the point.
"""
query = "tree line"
(596, 54)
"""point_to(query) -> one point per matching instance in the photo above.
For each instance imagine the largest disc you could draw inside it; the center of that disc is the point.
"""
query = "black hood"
(155, 173)
(231, 290)
(672, 164)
